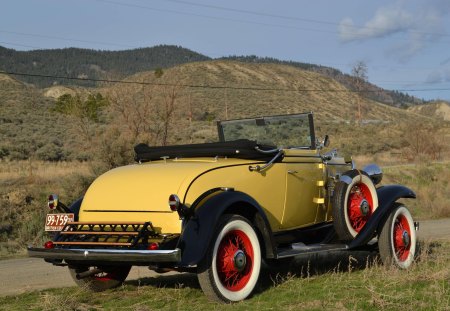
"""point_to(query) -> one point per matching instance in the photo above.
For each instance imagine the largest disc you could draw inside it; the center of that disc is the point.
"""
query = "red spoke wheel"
(354, 201)
(231, 268)
(397, 240)
(98, 279)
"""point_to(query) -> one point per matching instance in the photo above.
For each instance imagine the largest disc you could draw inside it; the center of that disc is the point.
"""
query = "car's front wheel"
(99, 279)
(231, 268)
(397, 240)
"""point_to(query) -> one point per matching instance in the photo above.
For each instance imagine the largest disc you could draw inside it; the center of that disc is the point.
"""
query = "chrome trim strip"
(111, 255)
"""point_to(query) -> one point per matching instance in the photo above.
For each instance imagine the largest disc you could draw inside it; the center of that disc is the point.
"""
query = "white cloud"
(420, 26)
(386, 21)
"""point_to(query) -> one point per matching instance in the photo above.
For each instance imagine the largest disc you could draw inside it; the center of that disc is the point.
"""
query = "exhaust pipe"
(88, 273)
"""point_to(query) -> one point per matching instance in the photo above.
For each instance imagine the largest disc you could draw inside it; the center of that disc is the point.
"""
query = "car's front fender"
(387, 196)
(198, 231)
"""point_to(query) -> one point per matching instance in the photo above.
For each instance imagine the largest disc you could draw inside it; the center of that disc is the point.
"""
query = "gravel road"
(29, 274)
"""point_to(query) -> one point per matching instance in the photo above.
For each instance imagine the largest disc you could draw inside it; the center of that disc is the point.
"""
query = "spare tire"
(354, 201)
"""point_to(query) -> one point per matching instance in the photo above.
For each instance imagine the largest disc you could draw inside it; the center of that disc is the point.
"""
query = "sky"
(405, 44)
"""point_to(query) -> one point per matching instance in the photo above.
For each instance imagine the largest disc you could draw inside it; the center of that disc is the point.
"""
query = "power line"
(294, 18)
(198, 86)
(211, 17)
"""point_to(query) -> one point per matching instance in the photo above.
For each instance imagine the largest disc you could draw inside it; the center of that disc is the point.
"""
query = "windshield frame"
(312, 146)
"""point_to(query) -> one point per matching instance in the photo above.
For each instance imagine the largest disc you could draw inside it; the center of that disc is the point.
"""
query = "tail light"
(49, 245)
(52, 201)
(174, 202)
(153, 246)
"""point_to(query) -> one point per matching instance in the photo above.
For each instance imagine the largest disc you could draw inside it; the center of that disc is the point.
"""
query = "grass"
(24, 188)
(430, 182)
(335, 282)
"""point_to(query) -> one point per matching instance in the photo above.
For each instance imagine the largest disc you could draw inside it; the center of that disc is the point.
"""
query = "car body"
(265, 191)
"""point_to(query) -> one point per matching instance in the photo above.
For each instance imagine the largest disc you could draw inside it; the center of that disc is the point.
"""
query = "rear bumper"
(106, 255)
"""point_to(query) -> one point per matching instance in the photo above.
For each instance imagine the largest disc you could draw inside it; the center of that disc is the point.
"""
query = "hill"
(92, 64)
(251, 89)
(392, 98)
(207, 91)
(179, 105)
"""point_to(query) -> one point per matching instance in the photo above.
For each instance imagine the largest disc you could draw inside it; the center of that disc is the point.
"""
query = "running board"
(301, 249)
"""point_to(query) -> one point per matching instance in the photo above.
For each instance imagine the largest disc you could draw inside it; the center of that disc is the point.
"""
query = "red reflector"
(52, 201)
(49, 244)
(153, 246)
(174, 202)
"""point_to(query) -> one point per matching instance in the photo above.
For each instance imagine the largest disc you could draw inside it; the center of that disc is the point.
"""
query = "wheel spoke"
(400, 233)
(231, 277)
(358, 194)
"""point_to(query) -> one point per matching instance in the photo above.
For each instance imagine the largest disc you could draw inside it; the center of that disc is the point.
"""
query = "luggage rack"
(101, 234)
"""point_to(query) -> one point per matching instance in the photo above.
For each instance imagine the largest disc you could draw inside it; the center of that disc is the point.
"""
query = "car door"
(304, 188)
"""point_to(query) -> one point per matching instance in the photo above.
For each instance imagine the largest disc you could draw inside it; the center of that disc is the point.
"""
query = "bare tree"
(167, 109)
(359, 73)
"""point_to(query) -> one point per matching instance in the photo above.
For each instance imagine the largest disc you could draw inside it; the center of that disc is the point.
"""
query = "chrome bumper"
(109, 255)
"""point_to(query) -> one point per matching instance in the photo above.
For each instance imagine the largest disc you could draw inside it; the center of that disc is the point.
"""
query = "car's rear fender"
(387, 196)
(75, 207)
(198, 230)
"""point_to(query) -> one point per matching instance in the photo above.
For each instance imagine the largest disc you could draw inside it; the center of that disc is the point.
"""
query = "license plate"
(56, 222)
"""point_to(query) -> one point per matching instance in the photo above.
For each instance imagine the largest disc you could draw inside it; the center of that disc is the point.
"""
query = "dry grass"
(24, 188)
(11, 170)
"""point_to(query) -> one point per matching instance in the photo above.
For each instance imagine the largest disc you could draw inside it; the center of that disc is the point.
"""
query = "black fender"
(387, 196)
(75, 207)
(198, 230)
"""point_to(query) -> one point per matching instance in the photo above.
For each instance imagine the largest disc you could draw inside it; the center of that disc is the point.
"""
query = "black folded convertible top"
(242, 149)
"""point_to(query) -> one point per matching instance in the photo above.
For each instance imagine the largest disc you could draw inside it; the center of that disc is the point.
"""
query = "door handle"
(292, 172)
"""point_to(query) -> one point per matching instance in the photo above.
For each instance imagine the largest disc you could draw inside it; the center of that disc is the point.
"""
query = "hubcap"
(406, 238)
(364, 207)
(240, 260)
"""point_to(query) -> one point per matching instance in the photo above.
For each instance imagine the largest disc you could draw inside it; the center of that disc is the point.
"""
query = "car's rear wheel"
(231, 268)
(397, 239)
(98, 279)
(354, 201)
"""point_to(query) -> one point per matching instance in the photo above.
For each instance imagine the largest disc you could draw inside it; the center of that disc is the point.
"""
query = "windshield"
(287, 131)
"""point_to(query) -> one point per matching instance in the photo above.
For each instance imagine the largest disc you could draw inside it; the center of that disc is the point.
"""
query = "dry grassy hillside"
(285, 89)
(208, 91)
(179, 105)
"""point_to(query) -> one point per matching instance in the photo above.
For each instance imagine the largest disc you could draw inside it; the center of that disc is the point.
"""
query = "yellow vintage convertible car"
(265, 191)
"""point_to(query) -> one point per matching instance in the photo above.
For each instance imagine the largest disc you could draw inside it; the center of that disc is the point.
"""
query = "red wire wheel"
(360, 206)
(354, 202)
(231, 268)
(397, 240)
(402, 238)
(235, 260)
